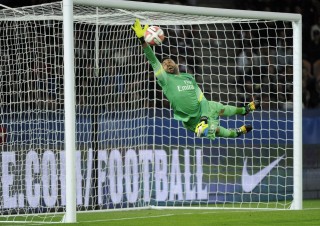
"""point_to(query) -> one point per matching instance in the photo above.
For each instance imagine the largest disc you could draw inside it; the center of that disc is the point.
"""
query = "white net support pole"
(297, 112)
(70, 116)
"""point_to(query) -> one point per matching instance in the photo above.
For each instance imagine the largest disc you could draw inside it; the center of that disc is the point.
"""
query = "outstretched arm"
(156, 65)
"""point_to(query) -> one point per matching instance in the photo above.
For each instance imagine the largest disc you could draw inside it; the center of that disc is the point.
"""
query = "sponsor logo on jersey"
(187, 86)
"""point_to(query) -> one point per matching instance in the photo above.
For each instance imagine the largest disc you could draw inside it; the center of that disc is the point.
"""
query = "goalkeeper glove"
(202, 127)
(139, 30)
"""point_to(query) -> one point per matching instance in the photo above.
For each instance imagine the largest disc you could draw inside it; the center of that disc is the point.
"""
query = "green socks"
(226, 133)
(231, 110)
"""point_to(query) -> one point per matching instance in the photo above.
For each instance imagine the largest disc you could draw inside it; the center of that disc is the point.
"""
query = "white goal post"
(86, 127)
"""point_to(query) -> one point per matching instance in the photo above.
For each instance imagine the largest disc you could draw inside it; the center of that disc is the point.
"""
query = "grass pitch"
(310, 215)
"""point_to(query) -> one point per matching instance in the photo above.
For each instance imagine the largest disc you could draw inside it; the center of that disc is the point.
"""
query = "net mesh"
(130, 152)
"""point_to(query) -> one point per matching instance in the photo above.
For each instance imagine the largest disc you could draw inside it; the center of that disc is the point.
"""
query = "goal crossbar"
(204, 11)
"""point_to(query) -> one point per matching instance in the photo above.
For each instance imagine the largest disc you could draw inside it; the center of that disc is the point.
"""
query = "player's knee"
(221, 112)
(217, 130)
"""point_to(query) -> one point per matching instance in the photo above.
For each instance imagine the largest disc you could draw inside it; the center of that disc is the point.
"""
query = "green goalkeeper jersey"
(182, 91)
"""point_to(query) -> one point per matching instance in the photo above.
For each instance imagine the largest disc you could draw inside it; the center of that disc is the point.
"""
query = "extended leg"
(231, 110)
(223, 132)
(232, 133)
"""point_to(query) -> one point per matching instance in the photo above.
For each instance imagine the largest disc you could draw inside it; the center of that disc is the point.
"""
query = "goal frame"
(69, 77)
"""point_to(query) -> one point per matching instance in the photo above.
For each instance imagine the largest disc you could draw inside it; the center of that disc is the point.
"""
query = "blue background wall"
(274, 128)
(44, 128)
(311, 126)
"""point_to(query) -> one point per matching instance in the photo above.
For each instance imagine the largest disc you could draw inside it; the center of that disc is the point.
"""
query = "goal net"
(130, 152)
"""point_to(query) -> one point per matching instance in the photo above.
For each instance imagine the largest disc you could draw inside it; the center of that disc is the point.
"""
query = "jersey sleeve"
(159, 72)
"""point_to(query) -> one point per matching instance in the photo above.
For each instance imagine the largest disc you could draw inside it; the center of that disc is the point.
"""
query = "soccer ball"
(154, 35)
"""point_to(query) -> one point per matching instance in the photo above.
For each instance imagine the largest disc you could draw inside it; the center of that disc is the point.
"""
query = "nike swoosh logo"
(249, 182)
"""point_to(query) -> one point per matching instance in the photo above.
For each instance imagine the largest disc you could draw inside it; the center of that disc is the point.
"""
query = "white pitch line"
(315, 208)
(169, 215)
(130, 218)
(158, 216)
(264, 210)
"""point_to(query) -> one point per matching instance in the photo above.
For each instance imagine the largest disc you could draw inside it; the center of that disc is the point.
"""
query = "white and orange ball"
(154, 35)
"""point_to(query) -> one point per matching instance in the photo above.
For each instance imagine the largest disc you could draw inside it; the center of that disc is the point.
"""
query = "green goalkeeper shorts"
(213, 119)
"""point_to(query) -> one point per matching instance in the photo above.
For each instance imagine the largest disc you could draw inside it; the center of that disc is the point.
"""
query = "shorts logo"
(212, 129)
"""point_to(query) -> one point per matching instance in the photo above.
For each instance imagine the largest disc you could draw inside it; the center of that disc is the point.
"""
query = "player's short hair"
(167, 58)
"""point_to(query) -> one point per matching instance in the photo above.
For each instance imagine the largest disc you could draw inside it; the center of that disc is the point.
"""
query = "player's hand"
(202, 127)
(138, 29)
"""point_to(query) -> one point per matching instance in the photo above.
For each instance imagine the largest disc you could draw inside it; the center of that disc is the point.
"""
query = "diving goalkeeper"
(187, 100)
